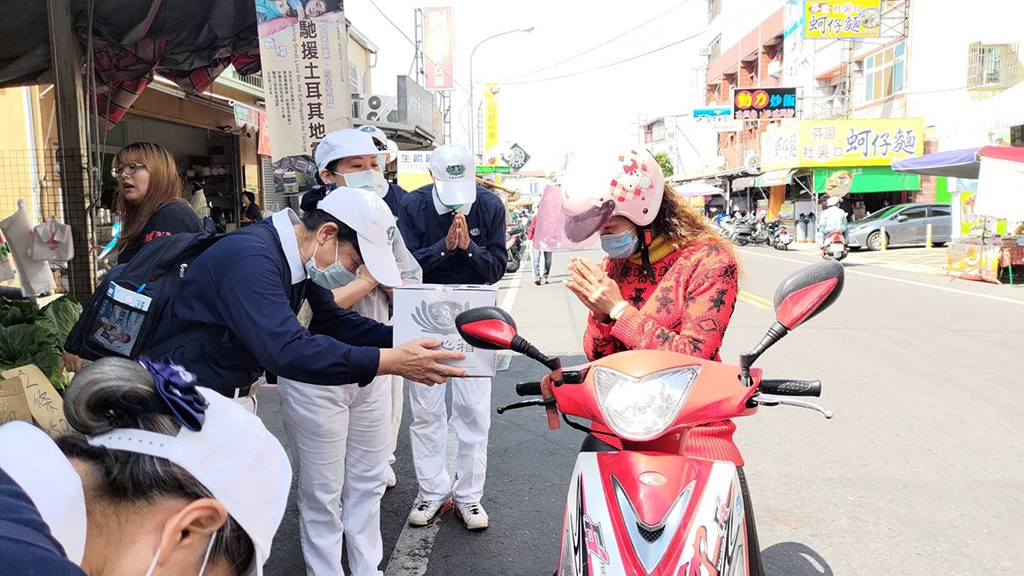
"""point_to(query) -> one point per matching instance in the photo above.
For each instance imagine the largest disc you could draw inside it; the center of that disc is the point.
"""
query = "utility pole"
(65, 61)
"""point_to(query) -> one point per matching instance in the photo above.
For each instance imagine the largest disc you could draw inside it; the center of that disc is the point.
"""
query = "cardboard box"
(45, 405)
(429, 311)
(13, 402)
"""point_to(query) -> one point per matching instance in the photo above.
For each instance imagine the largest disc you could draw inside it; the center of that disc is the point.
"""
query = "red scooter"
(834, 246)
(649, 509)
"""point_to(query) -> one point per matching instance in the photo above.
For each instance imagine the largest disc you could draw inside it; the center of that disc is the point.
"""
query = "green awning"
(868, 179)
(493, 170)
(774, 178)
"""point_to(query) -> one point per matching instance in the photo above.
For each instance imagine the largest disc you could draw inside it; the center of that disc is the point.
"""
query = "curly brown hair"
(682, 224)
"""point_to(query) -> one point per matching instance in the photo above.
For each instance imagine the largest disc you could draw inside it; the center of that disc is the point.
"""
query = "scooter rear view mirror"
(807, 293)
(489, 327)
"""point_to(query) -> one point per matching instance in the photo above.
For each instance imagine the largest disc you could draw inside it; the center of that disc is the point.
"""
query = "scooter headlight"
(642, 409)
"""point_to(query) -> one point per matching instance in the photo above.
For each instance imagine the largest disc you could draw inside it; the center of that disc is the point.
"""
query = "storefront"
(871, 188)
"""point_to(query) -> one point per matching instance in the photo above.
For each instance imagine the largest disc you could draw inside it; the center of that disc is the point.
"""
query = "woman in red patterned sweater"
(669, 282)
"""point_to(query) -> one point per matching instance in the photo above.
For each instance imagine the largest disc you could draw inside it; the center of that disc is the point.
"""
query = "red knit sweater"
(686, 310)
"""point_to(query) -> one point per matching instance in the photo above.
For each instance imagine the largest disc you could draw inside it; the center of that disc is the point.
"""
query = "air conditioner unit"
(775, 69)
(377, 108)
(704, 52)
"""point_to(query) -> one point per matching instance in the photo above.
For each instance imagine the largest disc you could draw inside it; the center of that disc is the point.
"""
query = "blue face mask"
(335, 276)
(620, 245)
(371, 180)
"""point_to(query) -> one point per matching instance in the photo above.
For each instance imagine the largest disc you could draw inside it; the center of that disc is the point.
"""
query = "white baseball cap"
(454, 172)
(344, 144)
(364, 211)
(375, 133)
(31, 458)
(234, 456)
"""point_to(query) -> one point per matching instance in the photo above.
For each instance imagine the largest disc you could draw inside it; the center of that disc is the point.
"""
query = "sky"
(549, 119)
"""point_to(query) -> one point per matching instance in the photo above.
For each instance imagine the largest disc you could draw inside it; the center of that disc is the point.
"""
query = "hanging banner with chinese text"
(763, 103)
(490, 116)
(820, 143)
(718, 118)
(842, 18)
(437, 46)
(303, 54)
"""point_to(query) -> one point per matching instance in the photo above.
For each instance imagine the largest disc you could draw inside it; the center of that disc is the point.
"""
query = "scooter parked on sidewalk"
(649, 508)
(834, 246)
(514, 248)
(779, 236)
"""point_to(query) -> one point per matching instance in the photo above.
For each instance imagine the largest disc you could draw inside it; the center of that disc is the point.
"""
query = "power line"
(413, 42)
(601, 44)
(623, 61)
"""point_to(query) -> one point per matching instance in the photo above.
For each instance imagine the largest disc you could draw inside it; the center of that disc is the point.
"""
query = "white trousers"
(397, 405)
(339, 435)
(471, 421)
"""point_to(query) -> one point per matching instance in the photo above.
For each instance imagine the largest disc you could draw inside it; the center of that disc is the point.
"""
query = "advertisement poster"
(840, 143)
(302, 50)
(842, 19)
(798, 60)
(437, 47)
(763, 103)
(413, 169)
(973, 262)
(973, 225)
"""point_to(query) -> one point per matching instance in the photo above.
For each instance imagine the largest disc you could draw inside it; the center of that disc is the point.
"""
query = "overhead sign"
(437, 47)
(842, 18)
(516, 157)
(718, 118)
(305, 77)
(493, 170)
(842, 143)
(763, 103)
(490, 116)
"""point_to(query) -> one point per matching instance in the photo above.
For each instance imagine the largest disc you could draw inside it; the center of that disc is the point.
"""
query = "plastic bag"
(51, 242)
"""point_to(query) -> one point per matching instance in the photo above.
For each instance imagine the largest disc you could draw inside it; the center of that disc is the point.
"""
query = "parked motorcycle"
(514, 247)
(778, 235)
(834, 246)
(751, 229)
(649, 508)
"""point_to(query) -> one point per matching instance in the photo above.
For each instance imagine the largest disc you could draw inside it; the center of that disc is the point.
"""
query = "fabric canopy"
(963, 163)
(190, 43)
(697, 189)
(774, 178)
(1001, 186)
(868, 179)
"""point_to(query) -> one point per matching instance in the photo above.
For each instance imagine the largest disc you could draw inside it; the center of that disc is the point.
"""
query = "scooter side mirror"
(807, 293)
(489, 328)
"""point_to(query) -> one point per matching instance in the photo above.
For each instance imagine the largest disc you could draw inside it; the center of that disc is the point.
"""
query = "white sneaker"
(389, 477)
(473, 515)
(424, 512)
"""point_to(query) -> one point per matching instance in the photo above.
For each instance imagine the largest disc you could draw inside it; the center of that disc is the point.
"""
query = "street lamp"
(472, 89)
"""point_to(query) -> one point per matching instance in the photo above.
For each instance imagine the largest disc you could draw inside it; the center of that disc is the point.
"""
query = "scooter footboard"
(631, 513)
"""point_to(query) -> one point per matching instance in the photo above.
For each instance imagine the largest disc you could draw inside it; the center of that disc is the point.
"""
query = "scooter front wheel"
(754, 561)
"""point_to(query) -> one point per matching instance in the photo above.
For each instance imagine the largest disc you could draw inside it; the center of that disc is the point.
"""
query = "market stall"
(986, 250)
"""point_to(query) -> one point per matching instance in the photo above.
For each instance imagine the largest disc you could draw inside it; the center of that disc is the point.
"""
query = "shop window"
(991, 65)
(885, 73)
(716, 48)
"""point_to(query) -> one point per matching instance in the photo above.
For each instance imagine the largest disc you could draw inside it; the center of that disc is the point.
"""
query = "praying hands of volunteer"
(458, 234)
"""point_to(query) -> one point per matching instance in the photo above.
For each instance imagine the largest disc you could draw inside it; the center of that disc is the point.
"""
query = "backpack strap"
(171, 344)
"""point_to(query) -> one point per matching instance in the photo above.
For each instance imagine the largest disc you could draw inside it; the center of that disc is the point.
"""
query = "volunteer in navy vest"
(393, 196)
(340, 435)
(234, 312)
(457, 232)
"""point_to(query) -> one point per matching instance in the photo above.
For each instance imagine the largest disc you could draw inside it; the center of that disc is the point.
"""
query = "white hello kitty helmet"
(629, 184)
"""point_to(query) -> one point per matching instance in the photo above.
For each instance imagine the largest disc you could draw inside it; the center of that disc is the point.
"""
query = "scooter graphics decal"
(581, 559)
(595, 540)
(721, 562)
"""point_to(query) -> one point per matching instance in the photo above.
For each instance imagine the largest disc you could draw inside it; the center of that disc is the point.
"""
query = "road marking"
(412, 551)
(900, 280)
(755, 301)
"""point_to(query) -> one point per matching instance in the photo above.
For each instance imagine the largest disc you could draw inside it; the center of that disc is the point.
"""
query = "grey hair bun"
(116, 393)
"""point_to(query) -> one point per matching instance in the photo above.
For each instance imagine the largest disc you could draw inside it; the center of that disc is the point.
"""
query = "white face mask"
(372, 180)
(206, 558)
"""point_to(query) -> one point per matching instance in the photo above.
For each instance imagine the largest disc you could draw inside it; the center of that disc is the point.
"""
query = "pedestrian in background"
(251, 213)
(149, 201)
(456, 230)
(540, 276)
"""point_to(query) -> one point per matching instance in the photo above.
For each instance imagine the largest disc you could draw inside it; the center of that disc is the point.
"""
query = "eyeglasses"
(128, 169)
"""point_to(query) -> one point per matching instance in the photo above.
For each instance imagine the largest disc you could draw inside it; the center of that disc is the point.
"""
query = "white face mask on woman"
(372, 180)
(206, 558)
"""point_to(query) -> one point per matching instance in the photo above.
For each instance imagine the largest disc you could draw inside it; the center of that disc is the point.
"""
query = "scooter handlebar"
(528, 389)
(791, 387)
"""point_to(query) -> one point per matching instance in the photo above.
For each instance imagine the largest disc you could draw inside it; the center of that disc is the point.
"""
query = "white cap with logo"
(234, 456)
(344, 144)
(375, 133)
(364, 212)
(454, 172)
